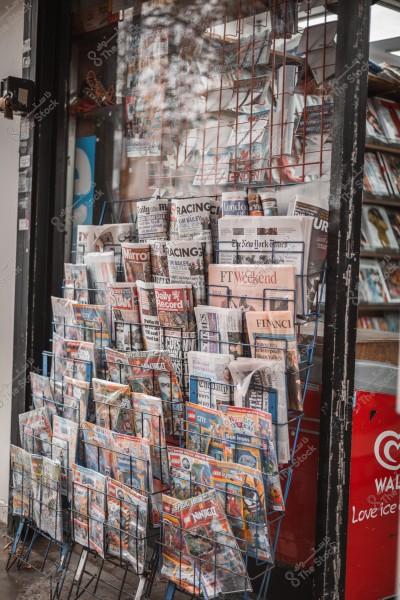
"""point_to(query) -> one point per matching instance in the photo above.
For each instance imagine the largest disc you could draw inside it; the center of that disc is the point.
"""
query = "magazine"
(377, 228)
(372, 285)
(46, 496)
(211, 546)
(149, 315)
(21, 484)
(265, 240)
(126, 524)
(113, 406)
(373, 127)
(137, 262)
(150, 425)
(252, 287)
(76, 286)
(186, 266)
(390, 164)
(152, 220)
(255, 205)
(176, 564)
(241, 492)
(91, 324)
(76, 399)
(234, 204)
(122, 299)
(101, 270)
(35, 431)
(219, 329)
(210, 380)
(159, 261)
(206, 430)
(72, 358)
(394, 220)
(153, 373)
(272, 336)
(64, 446)
(88, 508)
(99, 449)
(251, 444)
(42, 394)
(391, 275)
(374, 181)
(389, 118)
(190, 472)
(63, 318)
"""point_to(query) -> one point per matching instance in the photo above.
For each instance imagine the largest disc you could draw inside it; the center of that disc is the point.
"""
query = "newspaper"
(108, 238)
(210, 379)
(123, 302)
(261, 384)
(76, 399)
(252, 287)
(84, 242)
(88, 508)
(234, 204)
(174, 305)
(113, 406)
(137, 262)
(178, 344)
(159, 261)
(91, 324)
(251, 445)
(101, 270)
(150, 425)
(21, 484)
(190, 221)
(186, 266)
(211, 546)
(215, 210)
(76, 286)
(64, 446)
(272, 336)
(64, 318)
(46, 496)
(314, 205)
(35, 431)
(152, 220)
(176, 565)
(149, 315)
(219, 329)
(265, 240)
(126, 524)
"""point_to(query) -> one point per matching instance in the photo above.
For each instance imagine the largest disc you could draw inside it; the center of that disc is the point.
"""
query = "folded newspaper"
(268, 240)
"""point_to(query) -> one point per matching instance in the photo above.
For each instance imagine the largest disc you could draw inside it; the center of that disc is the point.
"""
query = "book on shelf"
(377, 228)
(374, 180)
(372, 285)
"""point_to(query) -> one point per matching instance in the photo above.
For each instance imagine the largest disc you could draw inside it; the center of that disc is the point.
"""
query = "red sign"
(374, 498)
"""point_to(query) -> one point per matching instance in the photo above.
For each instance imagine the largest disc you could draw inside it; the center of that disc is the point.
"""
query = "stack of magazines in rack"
(184, 351)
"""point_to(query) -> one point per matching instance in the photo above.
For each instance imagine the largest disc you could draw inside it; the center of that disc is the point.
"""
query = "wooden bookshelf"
(371, 309)
(381, 200)
(389, 148)
(394, 254)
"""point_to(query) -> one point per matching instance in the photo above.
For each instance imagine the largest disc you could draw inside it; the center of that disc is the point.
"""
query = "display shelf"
(378, 86)
(382, 307)
(391, 149)
(372, 253)
(381, 200)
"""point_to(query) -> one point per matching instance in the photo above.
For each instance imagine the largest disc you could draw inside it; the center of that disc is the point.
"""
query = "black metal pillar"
(40, 246)
(350, 94)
